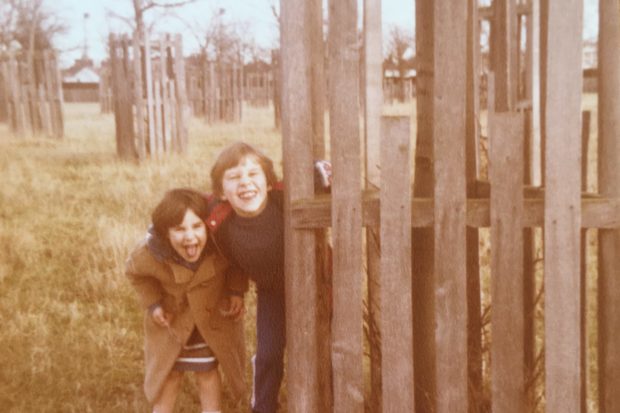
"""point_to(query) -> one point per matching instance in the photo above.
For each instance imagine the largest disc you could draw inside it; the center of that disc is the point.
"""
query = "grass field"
(69, 214)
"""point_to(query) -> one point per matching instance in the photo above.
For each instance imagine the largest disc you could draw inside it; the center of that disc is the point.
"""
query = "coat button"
(213, 223)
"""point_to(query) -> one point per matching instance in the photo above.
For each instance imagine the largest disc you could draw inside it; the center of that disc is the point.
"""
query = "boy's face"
(245, 187)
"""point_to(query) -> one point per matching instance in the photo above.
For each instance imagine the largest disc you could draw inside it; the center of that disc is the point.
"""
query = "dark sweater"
(256, 245)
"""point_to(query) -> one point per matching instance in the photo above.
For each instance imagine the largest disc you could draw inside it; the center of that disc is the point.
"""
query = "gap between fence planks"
(373, 103)
(609, 185)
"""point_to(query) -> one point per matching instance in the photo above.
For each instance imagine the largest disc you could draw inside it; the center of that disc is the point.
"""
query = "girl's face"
(189, 237)
(245, 187)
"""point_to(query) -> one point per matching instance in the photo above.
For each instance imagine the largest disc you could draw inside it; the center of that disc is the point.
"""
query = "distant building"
(590, 66)
(590, 54)
(399, 77)
(80, 82)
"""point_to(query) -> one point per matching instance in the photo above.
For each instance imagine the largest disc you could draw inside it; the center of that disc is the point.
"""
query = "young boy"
(247, 222)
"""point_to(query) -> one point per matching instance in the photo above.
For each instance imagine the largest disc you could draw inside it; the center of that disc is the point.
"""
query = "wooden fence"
(106, 97)
(258, 88)
(419, 297)
(216, 91)
(32, 94)
(150, 101)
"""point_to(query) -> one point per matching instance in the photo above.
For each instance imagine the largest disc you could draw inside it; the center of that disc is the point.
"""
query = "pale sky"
(257, 13)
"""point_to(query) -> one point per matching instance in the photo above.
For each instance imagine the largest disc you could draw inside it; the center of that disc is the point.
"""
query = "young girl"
(247, 222)
(192, 307)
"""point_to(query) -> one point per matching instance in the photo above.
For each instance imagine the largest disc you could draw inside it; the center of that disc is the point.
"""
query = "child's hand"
(236, 308)
(160, 317)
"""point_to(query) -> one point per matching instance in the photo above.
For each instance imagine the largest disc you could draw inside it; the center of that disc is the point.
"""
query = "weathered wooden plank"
(157, 104)
(347, 209)
(165, 95)
(505, 54)
(450, 32)
(609, 186)
(507, 320)
(373, 103)
(138, 99)
(300, 265)
(563, 376)
(595, 212)
(396, 308)
(182, 108)
(145, 58)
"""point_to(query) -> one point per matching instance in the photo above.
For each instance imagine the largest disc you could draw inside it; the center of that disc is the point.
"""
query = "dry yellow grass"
(70, 213)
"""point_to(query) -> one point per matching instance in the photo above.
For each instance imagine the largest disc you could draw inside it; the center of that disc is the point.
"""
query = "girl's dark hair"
(230, 157)
(171, 209)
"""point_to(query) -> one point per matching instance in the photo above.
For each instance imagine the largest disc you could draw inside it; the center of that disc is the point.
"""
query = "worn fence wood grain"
(450, 205)
(562, 208)
(396, 308)
(300, 265)
(347, 212)
(507, 320)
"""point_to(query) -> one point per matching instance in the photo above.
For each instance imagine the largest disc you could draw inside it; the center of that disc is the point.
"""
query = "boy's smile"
(245, 187)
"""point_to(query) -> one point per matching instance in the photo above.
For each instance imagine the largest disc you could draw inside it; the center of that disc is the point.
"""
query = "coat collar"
(220, 210)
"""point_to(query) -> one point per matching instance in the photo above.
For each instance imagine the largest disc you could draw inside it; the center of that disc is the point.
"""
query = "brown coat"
(192, 299)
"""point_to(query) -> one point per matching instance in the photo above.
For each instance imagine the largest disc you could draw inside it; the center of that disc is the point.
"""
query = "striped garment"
(196, 355)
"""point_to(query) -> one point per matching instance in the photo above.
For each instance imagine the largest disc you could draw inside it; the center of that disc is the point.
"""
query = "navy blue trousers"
(270, 341)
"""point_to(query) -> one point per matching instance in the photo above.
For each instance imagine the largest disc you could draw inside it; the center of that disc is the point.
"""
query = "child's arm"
(237, 282)
(149, 289)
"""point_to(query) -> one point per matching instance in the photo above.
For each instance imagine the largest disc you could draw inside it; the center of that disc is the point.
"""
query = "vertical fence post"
(300, 265)
(182, 109)
(609, 186)
(506, 177)
(145, 56)
(396, 309)
(347, 212)
(450, 204)
(138, 97)
(563, 208)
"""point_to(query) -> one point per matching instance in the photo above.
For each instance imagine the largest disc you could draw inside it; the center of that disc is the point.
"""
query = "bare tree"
(399, 43)
(138, 21)
(226, 41)
(28, 25)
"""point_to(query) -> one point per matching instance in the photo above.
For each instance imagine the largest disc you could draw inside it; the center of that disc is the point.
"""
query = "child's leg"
(209, 388)
(269, 360)
(169, 392)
